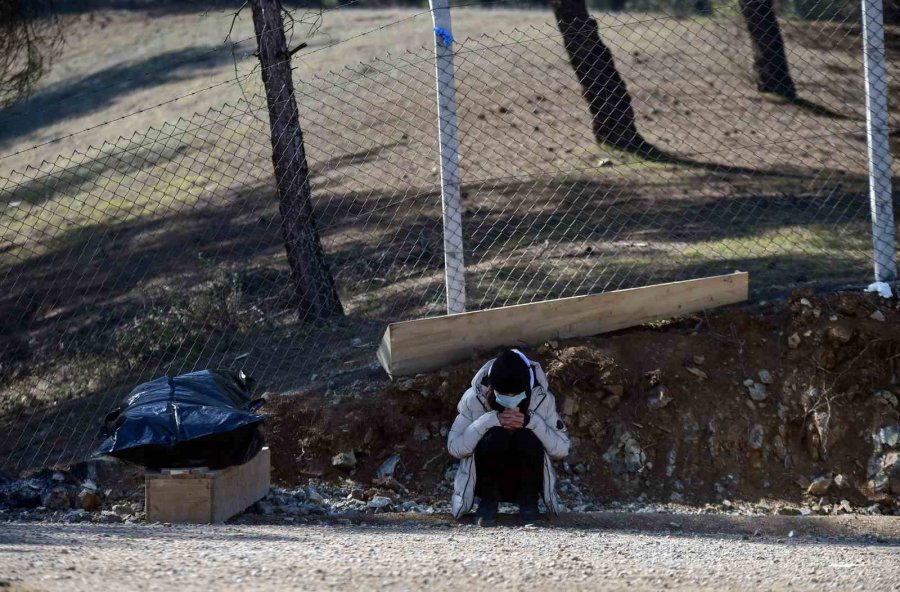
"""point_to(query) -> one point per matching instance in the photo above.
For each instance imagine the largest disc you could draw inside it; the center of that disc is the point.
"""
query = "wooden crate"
(202, 496)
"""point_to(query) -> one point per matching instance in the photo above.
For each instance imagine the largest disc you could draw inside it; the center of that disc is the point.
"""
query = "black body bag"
(202, 419)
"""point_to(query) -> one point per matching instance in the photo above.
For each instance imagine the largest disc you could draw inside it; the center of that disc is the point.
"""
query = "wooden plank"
(427, 344)
(237, 488)
(195, 497)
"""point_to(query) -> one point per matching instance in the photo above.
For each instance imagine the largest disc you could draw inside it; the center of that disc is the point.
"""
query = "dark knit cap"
(509, 374)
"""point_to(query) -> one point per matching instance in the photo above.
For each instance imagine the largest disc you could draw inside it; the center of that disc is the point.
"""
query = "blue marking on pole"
(444, 35)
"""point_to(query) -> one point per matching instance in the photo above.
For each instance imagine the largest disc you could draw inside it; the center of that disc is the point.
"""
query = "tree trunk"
(604, 90)
(769, 58)
(314, 291)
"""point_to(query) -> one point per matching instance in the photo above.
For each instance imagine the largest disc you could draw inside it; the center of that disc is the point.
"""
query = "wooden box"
(202, 496)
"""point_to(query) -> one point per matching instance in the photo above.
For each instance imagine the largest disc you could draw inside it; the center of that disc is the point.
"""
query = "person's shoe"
(486, 514)
(528, 511)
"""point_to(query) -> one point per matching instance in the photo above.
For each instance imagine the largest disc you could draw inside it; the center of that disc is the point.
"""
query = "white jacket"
(475, 417)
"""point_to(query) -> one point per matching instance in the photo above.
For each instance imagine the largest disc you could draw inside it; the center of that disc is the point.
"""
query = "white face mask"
(509, 401)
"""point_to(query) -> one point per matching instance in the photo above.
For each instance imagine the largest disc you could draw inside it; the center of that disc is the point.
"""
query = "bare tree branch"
(30, 38)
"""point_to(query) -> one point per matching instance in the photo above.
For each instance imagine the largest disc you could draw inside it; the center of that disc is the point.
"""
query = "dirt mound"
(794, 401)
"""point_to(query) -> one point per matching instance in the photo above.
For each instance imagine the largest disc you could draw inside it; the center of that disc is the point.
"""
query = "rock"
(615, 390)
(779, 448)
(123, 510)
(829, 432)
(314, 496)
(22, 493)
(89, 500)
(794, 341)
(671, 459)
(819, 486)
(697, 372)
(805, 302)
(450, 473)
(845, 506)
(765, 377)
(265, 508)
(894, 484)
(107, 517)
(421, 433)
(612, 402)
(690, 428)
(344, 460)
(787, 511)
(699, 360)
(841, 482)
(570, 405)
(890, 436)
(57, 498)
(890, 463)
(877, 316)
(379, 502)
(388, 467)
(659, 398)
(625, 454)
(874, 466)
(390, 483)
(880, 483)
(755, 437)
(839, 335)
(78, 516)
(886, 397)
(758, 392)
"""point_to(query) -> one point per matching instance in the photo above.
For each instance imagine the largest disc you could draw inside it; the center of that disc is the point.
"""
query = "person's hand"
(512, 419)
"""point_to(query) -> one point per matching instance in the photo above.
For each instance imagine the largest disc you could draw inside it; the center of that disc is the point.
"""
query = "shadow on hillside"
(74, 98)
(164, 7)
(526, 241)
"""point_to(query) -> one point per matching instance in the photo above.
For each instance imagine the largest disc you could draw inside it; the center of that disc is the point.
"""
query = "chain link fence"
(163, 252)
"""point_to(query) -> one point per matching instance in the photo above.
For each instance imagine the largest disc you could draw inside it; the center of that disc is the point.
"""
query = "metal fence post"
(451, 201)
(881, 200)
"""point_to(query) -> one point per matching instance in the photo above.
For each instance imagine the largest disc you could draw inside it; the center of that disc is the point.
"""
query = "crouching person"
(505, 434)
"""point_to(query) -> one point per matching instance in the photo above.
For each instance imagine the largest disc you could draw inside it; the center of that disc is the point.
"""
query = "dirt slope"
(742, 404)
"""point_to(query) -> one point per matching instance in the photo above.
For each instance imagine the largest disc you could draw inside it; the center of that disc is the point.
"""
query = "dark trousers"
(509, 465)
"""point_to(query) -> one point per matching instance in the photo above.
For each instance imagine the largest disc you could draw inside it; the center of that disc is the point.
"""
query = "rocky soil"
(780, 408)
(788, 406)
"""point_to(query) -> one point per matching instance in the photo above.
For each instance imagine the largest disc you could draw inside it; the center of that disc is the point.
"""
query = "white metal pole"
(881, 201)
(451, 201)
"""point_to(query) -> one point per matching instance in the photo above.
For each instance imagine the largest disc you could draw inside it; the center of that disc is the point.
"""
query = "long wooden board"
(424, 345)
(202, 496)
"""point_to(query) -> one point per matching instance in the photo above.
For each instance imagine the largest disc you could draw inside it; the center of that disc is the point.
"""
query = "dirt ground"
(750, 403)
(594, 552)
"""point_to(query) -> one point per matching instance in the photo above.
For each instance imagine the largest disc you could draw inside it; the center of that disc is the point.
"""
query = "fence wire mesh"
(163, 252)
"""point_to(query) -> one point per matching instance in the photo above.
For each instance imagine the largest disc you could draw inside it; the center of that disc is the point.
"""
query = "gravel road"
(596, 552)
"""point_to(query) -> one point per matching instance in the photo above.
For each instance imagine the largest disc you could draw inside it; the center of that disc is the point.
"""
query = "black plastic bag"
(201, 419)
